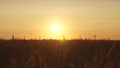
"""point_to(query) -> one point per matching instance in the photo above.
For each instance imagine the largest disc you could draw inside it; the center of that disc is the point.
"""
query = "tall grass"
(59, 54)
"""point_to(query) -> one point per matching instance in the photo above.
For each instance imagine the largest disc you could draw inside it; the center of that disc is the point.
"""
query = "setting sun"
(56, 31)
(56, 28)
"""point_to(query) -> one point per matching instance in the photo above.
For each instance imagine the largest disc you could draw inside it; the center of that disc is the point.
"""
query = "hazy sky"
(34, 18)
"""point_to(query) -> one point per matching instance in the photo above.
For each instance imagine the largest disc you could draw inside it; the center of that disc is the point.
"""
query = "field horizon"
(59, 33)
(16, 53)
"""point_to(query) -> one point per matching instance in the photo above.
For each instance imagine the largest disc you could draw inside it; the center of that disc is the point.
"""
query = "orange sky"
(35, 18)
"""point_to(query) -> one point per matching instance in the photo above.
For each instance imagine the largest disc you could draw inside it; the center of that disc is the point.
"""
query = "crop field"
(59, 54)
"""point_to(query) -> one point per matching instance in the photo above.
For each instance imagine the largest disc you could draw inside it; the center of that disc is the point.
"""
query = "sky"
(77, 18)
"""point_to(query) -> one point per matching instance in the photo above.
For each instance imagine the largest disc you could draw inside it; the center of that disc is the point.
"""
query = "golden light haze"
(34, 18)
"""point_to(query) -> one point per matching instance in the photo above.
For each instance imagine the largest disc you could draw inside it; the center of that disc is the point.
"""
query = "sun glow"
(56, 28)
(56, 31)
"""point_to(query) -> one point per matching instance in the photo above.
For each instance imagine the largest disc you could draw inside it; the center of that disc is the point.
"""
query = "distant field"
(59, 54)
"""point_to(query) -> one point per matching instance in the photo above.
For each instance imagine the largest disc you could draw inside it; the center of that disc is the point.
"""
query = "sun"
(56, 28)
(56, 31)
